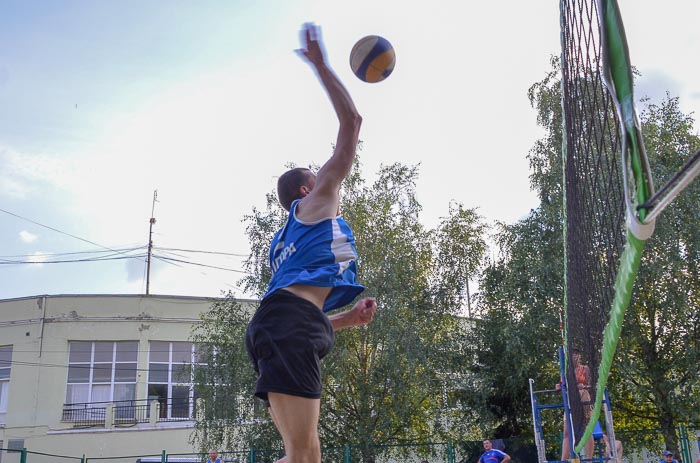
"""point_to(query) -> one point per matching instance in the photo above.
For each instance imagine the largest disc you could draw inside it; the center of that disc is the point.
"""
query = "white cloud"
(26, 174)
(13, 188)
(27, 237)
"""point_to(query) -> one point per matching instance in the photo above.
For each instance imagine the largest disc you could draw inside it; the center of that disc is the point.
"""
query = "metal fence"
(85, 414)
(129, 412)
(640, 446)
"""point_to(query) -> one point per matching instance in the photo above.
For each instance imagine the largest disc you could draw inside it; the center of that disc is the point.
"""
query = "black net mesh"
(594, 200)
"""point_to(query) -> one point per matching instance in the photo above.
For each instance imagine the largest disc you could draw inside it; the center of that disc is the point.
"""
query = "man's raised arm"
(339, 165)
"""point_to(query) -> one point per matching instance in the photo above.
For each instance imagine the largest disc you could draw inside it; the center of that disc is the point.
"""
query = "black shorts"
(286, 340)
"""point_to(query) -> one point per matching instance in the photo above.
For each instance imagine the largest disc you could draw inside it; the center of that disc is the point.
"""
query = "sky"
(104, 103)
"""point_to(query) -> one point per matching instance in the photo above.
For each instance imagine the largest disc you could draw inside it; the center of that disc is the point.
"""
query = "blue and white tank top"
(320, 253)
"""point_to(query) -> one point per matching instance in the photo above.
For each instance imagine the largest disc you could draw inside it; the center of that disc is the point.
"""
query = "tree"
(654, 381)
(657, 375)
(225, 382)
(383, 383)
(517, 332)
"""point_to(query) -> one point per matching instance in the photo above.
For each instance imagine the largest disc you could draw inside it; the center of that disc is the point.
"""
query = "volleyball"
(372, 59)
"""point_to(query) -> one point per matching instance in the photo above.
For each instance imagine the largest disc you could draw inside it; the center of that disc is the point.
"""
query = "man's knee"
(306, 453)
(306, 443)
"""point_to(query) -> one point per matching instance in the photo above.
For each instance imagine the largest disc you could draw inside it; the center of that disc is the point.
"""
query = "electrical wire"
(56, 230)
(171, 259)
(93, 366)
(202, 252)
(232, 286)
(118, 253)
(54, 254)
(95, 259)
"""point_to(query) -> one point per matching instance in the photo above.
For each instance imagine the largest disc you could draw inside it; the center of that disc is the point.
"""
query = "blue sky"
(101, 103)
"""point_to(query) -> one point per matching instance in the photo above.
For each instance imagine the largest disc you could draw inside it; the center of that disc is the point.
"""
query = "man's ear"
(305, 190)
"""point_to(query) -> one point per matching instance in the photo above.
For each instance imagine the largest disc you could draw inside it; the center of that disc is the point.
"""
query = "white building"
(98, 375)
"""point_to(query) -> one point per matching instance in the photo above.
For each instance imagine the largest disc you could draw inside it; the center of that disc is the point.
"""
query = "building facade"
(98, 375)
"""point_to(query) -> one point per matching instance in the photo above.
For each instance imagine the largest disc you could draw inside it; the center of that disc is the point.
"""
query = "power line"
(56, 230)
(95, 259)
(65, 351)
(54, 254)
(108, 366)
(162, 259)
(202, 252)
(199, 265)
(117, 252)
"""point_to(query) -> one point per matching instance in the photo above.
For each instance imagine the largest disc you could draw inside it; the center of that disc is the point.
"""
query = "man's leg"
(296, 419)
(274, 420)
(565, 447)
(589, 448)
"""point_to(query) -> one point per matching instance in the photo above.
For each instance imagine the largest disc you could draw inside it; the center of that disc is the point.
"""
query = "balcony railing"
(128, 412)
(85, 414)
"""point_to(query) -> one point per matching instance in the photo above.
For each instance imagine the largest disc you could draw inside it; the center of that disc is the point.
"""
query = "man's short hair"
(289, 184)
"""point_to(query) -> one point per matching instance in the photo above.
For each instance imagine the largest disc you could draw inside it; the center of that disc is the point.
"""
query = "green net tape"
(622, 80)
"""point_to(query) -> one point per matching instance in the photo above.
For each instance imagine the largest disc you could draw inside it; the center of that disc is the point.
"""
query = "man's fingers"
(315, 32)
(309, 32)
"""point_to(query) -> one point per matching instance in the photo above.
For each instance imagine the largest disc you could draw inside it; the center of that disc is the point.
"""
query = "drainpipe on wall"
(44, 302)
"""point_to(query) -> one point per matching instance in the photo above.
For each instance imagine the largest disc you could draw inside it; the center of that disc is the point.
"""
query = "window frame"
(5, 365)
(167, 405)
(92, 382)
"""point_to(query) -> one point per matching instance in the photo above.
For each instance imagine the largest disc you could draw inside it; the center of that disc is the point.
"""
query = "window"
(170, 378)
(5, 367)
(101, 372)
(15, 445)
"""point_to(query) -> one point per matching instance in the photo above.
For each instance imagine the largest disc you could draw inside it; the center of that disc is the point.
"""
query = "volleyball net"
(610, 204)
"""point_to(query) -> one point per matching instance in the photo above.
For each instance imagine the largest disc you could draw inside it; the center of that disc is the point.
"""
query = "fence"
(641, 446)
(128, 412)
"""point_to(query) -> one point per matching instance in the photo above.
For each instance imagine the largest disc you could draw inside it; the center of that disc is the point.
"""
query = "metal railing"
(129, 412)
(133, 411)
(85, 414)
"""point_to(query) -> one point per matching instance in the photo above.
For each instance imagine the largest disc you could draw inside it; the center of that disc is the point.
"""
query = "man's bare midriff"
(314, 294)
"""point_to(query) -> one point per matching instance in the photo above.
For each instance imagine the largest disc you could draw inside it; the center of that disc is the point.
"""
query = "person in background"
(492, 455)
(583, 383)
(608, 450)
(213, 456)
(668, 457)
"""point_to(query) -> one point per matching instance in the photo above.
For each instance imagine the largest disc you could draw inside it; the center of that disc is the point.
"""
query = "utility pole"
(150, 242)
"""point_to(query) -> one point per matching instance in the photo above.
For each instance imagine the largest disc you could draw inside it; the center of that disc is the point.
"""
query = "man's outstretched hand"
(311, 44)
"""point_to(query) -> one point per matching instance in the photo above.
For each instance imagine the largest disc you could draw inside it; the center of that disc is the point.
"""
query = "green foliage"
(387, 382)
(261, 227)
(420, 371)
(655, 381)
(657, 378)
(226, 382)
(545, 157)
(521, 291)
(517, 334)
